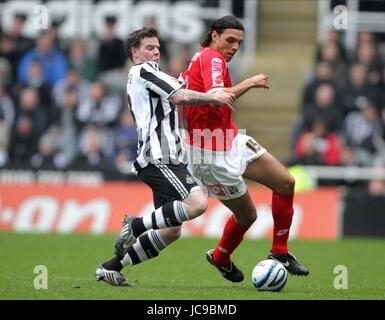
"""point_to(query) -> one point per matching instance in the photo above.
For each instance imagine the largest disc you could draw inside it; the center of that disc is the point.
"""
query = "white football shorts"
(221, 172)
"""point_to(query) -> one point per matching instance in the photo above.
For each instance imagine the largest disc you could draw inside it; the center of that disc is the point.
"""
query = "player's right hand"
(223, 98)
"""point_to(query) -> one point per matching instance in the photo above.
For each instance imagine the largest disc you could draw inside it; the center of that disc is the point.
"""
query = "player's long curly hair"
(220, 25)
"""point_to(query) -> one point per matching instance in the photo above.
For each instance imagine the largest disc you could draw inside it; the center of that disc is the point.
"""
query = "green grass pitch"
(181, 271)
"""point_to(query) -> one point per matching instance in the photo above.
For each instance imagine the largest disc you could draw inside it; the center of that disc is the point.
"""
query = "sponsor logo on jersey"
(216, 72)
(216, 64)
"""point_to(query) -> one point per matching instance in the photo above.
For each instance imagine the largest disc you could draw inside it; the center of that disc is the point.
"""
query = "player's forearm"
(241, 88)
(185, 97)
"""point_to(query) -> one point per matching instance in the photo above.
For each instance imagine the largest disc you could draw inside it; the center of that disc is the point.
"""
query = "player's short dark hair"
(134, 38)
(220, 25)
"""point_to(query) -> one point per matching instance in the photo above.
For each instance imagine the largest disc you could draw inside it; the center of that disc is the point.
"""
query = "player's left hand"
(223, 98)
(261, 81)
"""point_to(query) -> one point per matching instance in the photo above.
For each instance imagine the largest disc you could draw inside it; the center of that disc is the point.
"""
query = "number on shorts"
(253, 145)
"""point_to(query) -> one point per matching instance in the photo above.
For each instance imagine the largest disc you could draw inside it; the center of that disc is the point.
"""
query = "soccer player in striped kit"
(161, 162)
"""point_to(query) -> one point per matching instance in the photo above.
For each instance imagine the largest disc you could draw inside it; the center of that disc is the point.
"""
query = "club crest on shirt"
(218, 80)
(190, 179)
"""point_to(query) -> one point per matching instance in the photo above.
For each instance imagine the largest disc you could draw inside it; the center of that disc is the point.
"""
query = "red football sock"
(282, 209)
(231, 238)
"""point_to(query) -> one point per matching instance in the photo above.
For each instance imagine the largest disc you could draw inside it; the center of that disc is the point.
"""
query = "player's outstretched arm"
(185, 97)
(258, 81)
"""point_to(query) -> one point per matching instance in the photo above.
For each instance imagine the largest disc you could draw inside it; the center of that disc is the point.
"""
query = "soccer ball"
(269, 275)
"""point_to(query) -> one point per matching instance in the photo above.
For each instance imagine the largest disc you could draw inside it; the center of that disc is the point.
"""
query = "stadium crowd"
(62, 103)
(342, 117)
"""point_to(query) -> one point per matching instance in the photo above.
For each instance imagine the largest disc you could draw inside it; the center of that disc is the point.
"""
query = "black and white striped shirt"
(159, 139)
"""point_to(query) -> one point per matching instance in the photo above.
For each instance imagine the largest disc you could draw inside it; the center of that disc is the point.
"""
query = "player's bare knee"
(201, 206)
(247, 218)
(170, 235)
(196, 205)
(286, 186)
(251, 217)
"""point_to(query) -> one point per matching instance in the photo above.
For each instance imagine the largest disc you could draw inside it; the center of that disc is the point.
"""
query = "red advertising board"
(67, 209)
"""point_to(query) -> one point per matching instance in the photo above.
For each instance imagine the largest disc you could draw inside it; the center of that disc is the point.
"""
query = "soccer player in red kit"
(221, 157)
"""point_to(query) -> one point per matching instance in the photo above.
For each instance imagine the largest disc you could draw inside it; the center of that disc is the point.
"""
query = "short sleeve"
(158, 81)
(213, 68)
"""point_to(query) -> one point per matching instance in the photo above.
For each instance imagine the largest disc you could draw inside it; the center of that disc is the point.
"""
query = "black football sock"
(113, 264)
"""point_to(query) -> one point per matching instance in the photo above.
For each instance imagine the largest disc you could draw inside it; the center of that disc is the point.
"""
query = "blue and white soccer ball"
(269, 275)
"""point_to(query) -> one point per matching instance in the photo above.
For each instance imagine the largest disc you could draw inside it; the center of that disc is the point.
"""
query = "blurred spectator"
(29, 106)
(332, 37)
(93, 149)
(357, 88)
(8, 52)
(45, 157)
(126, 137)
(7, 118)
(111, 50)
(4, 141)
(317, 146)
(367, 54)
(5, 73)
(22, 43)
(381, 105)
(23, 144)
(330, 54)
(53, 153)
(363, 132)
(67, 129)
(52, 60)
(53, 31)
(366, 37)
(72, 80)
(324, 108)
(382, 119)
(347, 155)
(7, 108)
(322, 74)
(179, 63)
(101, 108)
(14, 44)
(79, 60)
(126, 140)
(35, 80)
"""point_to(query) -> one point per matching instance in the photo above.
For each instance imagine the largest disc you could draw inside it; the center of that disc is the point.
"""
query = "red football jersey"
(208, 128)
